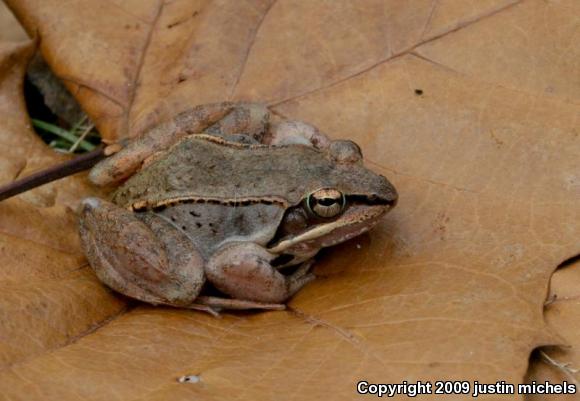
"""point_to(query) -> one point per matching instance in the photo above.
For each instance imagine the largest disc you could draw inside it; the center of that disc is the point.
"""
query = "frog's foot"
(297, 132)
(243, 271)
(246, 123)
(147, 260)
(128, 160)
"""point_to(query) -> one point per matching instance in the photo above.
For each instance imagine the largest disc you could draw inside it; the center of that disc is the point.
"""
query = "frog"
(219, 196)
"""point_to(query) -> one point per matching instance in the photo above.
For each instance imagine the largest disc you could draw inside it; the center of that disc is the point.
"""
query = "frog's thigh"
(297, 132)
(133, 257)
(127, 161)
(243, 271)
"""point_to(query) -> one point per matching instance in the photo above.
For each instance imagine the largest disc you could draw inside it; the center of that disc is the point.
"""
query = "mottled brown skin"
(216, 195)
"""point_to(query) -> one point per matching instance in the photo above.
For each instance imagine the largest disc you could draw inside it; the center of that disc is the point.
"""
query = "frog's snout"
(387, 193)
(394, 199)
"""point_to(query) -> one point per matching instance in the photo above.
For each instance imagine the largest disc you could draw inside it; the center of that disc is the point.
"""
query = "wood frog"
(218, 194)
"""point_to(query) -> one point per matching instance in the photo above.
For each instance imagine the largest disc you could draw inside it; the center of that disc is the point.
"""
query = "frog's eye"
(325, 203)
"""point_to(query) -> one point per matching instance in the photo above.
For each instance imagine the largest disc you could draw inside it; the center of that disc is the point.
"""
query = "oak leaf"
(470, 108)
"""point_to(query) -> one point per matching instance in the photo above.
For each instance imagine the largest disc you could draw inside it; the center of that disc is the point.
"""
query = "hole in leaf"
(55, 114)
(569, 262)
(189, 379)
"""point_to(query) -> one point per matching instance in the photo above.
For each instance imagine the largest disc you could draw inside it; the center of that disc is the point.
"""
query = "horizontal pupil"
(327, 202)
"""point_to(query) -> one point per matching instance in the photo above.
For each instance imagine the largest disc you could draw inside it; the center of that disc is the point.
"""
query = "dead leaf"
(559, 364)
(50, 296)
(469, 107)
(10, 29)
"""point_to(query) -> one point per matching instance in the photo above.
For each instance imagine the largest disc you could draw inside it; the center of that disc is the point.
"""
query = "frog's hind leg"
(246, 123)
(296, 132)
(243, 271)
(146, 260)
(128, 160)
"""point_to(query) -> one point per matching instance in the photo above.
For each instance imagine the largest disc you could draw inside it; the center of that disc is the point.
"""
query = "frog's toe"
(89, 204)
(296, 282)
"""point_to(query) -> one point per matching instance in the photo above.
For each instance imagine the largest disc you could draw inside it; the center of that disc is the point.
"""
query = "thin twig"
(53, 173)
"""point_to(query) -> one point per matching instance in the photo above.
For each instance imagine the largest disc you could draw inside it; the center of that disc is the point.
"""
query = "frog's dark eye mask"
(325, 203)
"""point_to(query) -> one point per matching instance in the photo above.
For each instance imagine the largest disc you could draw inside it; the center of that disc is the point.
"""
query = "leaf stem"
(53, 173)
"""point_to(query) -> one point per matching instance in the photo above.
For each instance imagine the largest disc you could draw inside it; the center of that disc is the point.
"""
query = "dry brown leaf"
(469, 107)
(563, 315)
(10, 29)
(49, 296)
(132, 64)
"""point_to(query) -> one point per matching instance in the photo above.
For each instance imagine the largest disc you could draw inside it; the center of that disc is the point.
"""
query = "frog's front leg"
(143, 258)
(243, 271)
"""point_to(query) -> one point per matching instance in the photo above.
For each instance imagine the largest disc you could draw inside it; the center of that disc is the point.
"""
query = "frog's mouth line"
(366, 217)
